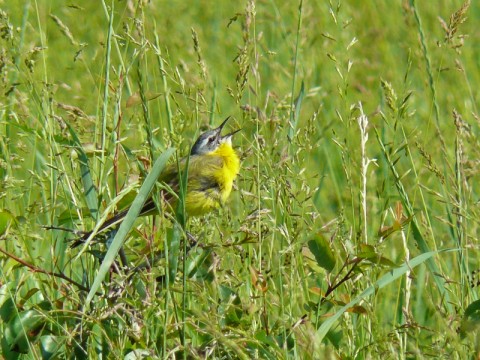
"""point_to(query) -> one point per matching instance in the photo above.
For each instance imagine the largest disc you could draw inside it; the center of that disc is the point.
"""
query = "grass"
(352, 230)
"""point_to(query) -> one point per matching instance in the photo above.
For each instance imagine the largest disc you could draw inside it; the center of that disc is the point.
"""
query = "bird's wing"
(202, 172)
(201, 178)
(170, 173)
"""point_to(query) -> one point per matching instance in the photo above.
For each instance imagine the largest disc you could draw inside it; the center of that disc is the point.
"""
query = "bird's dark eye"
(210, 140)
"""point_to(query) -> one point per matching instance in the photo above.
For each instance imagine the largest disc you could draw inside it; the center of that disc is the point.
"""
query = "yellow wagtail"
(212, 167)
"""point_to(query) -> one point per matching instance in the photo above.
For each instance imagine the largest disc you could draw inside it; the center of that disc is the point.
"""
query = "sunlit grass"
(352, 228)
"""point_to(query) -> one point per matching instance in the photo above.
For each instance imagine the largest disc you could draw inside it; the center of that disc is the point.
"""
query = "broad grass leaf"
(369, 253)
(174, 240)
(51, 346)
(127, 223)
(198, 264)
(6, 219)
(471, 319)
(7, 310)
(386, 279)
(22, 329)
(320, 248)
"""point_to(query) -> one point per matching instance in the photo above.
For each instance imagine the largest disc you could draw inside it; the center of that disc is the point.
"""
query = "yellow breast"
(229, 171)
(210, 179)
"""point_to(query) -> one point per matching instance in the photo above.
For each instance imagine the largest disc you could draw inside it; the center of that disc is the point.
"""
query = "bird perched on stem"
(213, 165)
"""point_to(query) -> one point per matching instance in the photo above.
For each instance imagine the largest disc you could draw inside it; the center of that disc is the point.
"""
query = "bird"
(213, 165)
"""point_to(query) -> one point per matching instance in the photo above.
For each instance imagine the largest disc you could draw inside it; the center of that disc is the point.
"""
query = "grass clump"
(352, 228)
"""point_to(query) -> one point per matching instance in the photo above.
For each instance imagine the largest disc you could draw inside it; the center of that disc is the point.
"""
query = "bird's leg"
(192, 240)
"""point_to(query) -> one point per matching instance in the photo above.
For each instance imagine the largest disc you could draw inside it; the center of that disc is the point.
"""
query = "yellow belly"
(197, 203)
(217, 169)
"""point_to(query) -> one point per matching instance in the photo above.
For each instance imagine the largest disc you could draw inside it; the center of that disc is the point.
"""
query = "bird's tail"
(114, 220)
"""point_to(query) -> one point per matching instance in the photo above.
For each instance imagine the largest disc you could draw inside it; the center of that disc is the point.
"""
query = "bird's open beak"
(228, 137)
(232, 133)
(219, 129)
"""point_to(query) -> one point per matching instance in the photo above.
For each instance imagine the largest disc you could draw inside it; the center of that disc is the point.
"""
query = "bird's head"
(210, 140)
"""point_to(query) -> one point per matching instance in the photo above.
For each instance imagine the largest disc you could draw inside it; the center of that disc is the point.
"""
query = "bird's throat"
(230, 158)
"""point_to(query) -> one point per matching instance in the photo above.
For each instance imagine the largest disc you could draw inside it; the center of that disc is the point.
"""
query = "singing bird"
(213, 165)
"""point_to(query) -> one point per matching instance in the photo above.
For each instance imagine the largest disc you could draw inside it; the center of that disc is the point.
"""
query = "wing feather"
(202, 186)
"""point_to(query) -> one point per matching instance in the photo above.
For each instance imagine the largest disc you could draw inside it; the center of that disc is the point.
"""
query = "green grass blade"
(295, 115)
(297, 102)
(166, 89)
(386, 279)
(90, 192)
(107, 79)
(417, 234)
(127, 223)
(428, 63)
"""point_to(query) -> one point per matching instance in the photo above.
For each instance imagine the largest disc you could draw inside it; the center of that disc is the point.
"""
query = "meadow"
(352, 230)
